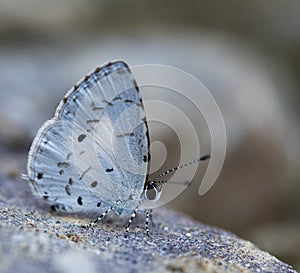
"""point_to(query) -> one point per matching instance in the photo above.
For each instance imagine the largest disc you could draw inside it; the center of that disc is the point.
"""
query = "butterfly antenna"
(186, 182)
(195, 161)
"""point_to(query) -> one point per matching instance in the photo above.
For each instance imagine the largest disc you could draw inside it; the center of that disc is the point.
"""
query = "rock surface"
(35, 240)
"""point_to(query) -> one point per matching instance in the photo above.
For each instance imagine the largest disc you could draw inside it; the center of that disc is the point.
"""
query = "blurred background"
(247, 53)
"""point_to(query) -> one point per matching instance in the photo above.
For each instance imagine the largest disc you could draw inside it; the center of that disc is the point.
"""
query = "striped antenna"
(195, 161)
(185, 182)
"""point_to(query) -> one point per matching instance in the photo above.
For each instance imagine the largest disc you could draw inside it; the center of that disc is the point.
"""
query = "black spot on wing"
(75, 97)
(97, 108)
(117, 98)
(63, 164)
(69, 155)
(94, 184)
(92, 121)
(40, 175)
(45, 195)
(126, 134)
(109, 170)
(53, 207)
(146, 158)
(108, 102)
(79, 200)
(81, 137)
(57, 207)
(68, 190)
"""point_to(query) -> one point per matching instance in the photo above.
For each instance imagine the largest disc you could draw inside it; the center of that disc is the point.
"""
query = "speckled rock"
(35, 240)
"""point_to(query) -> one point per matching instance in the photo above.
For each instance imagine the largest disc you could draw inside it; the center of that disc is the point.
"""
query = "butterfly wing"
(52, 173)
(99, 136)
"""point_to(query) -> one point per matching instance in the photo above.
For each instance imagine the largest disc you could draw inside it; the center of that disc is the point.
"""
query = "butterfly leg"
(151, 217)
(99, 218)
(147, 221)
(133, 215)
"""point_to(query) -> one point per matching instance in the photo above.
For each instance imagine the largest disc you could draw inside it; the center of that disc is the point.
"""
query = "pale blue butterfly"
(93, 155)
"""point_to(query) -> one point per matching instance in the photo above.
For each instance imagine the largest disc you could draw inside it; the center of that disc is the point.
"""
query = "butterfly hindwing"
(52, 172)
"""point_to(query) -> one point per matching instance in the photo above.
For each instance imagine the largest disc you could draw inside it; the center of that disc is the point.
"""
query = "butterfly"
(93, 155)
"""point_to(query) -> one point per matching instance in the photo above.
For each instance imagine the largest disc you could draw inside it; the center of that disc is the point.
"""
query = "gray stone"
(34, 240)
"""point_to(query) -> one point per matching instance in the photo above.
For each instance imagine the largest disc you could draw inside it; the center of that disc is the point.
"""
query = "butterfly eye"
(153, 192)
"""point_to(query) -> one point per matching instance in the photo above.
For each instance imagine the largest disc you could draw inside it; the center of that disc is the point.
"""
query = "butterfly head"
(152, 191)
(153, 188)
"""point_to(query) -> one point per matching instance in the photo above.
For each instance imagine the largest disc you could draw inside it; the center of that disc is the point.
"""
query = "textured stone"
(34, 240)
